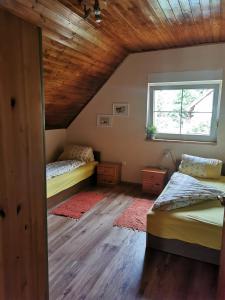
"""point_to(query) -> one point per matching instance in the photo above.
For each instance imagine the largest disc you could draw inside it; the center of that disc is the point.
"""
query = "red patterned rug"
(135, 216)
(77, 205)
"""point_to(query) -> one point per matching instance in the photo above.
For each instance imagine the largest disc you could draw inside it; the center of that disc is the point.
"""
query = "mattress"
(199, 224)
(67, 180)
(61, 167)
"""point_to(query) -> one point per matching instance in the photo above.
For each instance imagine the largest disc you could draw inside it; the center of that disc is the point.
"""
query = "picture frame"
(121, 109)
(104, 120)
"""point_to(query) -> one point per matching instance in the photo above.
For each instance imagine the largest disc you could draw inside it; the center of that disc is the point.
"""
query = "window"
(184, 111)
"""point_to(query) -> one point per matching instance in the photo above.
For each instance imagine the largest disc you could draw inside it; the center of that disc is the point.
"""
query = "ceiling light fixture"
(90, 6)
(87, 12)
(97, 12)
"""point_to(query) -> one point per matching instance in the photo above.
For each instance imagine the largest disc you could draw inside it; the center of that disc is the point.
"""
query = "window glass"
(184, 111)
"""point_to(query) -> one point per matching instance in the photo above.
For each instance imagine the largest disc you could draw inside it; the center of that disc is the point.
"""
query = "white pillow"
(200, 166)
(77, 152)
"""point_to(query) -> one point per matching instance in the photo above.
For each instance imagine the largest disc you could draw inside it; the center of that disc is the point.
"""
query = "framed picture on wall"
(121, 109)
(104, 120)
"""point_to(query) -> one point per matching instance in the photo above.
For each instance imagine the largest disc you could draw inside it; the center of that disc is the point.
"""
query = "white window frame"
(216, 85)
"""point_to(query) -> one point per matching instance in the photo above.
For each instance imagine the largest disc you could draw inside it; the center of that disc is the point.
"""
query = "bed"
(72, 176)
(194, 231)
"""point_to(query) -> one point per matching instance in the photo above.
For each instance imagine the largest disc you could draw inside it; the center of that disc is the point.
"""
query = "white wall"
(125, 141)
(54, 143)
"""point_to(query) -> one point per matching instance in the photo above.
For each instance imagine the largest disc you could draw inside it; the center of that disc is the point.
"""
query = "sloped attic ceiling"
(79, 56)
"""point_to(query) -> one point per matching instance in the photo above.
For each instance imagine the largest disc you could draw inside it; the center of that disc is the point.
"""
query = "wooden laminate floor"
(91, 259)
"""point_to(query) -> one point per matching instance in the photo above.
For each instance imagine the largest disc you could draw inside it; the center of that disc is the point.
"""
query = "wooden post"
(221, 278)
(23, 237)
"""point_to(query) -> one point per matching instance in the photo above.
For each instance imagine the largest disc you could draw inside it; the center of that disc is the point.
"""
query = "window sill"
(181, 141)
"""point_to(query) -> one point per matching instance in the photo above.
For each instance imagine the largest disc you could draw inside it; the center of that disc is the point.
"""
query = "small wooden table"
(108, 173)
(153, 180)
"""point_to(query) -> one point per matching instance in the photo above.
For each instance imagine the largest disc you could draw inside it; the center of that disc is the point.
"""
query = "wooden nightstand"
(153, 180)
(108, 173)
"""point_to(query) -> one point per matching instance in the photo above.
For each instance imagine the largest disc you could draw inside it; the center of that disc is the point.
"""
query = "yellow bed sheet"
(198, 224)
(64, 181)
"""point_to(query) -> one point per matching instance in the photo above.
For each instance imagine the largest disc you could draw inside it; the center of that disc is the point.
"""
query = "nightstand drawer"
(153, 176)
(106, 170)
(106, 179)
(108, 173)
(152, 183)
(152, 188)
(100, 169)
(153, 180)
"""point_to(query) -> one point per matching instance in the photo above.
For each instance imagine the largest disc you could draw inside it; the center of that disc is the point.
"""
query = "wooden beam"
(23, 237)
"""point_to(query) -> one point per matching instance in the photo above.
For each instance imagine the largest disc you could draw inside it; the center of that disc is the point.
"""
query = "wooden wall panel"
(80, 55)
(23, 239)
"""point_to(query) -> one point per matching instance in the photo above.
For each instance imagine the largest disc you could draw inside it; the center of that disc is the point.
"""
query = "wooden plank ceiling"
(80, 55)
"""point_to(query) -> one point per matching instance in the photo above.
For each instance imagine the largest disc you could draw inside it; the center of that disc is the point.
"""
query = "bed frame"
(63, 195)
(185, 249)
